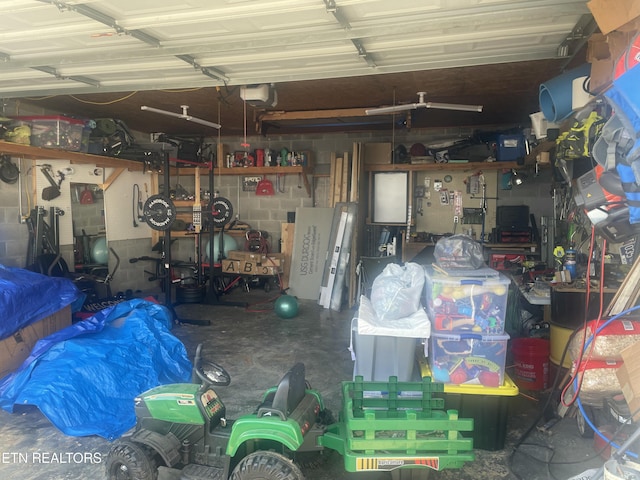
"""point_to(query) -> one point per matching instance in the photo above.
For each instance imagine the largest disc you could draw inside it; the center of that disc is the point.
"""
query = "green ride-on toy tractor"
(182, 432)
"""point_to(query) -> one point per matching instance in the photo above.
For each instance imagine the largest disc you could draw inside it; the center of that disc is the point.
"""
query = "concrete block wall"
(268, 213)
(262, 213)
(536, 192)
(14, 235)
(88, 217)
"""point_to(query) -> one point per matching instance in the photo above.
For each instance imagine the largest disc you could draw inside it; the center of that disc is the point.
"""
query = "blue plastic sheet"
(26, 297)
(84, 378)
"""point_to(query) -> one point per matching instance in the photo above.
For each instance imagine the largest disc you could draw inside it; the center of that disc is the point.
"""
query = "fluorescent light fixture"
(184, 115)
(422, 104)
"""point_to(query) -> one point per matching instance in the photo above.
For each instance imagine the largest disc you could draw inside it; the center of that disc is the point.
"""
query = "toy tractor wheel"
(266, 466)
(131, 461)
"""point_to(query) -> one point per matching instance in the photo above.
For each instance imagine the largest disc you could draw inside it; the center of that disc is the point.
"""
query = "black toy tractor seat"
(284, 399)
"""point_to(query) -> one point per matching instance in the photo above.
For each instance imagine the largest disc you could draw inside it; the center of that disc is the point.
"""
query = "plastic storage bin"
(384, 349)
(468, 358)
(467, 304)
(489, 408)
(18, 131)
(511, 148)
(56, 131)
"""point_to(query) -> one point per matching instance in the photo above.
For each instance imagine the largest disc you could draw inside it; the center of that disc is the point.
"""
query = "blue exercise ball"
(286, 306)
(100, 252)
(228, 243)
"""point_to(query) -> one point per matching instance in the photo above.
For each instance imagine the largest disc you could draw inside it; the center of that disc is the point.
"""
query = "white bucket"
(579, 96)
(614, 470)
(539, 125)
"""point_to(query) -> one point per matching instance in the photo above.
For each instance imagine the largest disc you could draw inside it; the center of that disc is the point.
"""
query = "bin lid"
(417, 325)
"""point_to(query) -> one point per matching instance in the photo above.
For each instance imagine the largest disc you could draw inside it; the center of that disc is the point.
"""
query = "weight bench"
(283, 399)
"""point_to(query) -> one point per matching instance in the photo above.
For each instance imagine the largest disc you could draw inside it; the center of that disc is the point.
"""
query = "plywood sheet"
(310, 244)
(287, 231)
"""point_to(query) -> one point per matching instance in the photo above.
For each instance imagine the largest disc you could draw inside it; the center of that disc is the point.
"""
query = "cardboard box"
(15, 349)
(603, 52)
(614, 14)
(251, 263)
(629, 377)
(378, 153)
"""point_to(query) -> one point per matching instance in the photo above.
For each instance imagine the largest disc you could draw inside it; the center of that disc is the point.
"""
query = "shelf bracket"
(112, 178)
(307, 185)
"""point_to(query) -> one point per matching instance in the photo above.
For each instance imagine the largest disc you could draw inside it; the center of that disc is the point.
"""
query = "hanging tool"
(53, 191)
(137, 204)
(419, 192)
(483, 206)
(9, 173)
(264, 187)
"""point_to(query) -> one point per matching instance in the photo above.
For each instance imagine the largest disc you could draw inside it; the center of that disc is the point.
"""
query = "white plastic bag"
(396, 292)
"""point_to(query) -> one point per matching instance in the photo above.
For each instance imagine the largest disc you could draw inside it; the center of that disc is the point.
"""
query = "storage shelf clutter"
(50, 131)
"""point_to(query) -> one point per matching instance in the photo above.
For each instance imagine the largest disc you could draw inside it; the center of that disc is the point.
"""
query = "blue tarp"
(26, 297)
(84, 378)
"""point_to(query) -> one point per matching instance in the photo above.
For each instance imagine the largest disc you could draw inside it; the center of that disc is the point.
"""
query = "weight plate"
(220, 211)
(159, 212)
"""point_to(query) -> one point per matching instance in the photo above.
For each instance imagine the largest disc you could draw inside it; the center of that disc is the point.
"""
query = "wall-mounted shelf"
(35, 153)
(422, 167)
(250, 171)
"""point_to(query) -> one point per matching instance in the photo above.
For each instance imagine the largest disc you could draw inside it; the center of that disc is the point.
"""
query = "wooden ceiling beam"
(281, 115)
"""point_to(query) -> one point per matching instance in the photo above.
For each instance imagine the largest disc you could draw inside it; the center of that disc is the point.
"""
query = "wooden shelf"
(521, 246)
(27, 151)
(249, 171)
(411, 249)
(421, 167)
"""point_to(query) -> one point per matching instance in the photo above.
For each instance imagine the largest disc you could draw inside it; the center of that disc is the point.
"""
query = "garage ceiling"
(107, 58)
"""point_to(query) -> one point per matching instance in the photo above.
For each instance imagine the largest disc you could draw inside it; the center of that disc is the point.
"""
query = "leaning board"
(310, 244)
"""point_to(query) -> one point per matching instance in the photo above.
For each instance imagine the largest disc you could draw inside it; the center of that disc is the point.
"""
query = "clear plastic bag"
(459, 251)
(396, 292)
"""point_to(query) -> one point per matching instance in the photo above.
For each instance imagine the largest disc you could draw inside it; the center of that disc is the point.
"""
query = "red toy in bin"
(468, 358)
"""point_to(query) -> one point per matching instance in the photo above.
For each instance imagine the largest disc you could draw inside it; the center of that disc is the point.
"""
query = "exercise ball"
(100, 252)
(286, 306)
(228, 243)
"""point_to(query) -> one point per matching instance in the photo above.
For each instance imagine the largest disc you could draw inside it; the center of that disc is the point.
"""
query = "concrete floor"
(257, 347)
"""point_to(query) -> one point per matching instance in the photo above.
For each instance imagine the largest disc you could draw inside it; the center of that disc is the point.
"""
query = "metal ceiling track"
(333, 9)
(111, 22)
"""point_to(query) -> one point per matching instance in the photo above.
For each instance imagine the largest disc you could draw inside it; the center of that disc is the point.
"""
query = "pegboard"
(438, 215)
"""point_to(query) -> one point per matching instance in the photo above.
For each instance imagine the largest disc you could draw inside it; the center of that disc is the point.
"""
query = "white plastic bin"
(383, 349)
